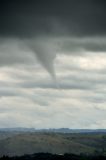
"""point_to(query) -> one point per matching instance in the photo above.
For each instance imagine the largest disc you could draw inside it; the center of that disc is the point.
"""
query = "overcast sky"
(53, 63)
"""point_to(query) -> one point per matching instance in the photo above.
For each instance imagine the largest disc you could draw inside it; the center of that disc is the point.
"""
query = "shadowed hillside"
(55, 143)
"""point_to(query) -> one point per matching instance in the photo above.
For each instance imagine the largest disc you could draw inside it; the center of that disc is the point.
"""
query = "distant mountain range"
(60, 130)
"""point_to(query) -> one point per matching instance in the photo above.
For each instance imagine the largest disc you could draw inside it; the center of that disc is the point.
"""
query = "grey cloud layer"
(31, 101)
(67, 34)
(13, 51)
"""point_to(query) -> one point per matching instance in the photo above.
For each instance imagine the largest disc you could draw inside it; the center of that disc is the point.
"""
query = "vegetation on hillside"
(55, 143)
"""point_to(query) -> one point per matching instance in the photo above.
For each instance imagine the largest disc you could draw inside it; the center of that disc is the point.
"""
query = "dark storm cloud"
(46, 26)
(28, 18)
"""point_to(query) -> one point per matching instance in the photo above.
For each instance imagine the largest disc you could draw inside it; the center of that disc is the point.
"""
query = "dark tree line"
(48, 156)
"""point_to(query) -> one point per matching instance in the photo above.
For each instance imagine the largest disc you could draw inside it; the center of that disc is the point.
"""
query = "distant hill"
(60, 130)
(56, 143)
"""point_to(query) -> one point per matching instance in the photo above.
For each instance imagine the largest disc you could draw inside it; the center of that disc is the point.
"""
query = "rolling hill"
(56, 143)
